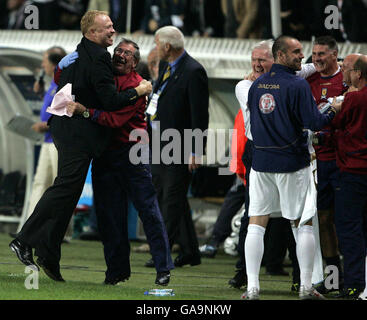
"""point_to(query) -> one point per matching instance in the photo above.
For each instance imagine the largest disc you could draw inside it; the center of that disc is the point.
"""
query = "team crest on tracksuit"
(267, 103)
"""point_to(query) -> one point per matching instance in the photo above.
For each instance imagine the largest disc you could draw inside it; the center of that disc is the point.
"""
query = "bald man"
(348, 63)
(351, 145)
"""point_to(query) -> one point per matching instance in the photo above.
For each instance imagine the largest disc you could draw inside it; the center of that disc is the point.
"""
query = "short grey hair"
(265, 45)
(134, 44)
(171, 35)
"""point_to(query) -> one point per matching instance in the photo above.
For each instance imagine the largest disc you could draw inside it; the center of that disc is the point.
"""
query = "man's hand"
(68, 60)
(144, 88)
(38, 88)
(40, 127)
(250, 77)
(195, 162)
(75, 108)
(152, 25)
(337, 105)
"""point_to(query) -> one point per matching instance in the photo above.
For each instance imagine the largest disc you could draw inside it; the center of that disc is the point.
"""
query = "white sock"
(295, 233)
(365, 288)
(254, 250)
(306, 254)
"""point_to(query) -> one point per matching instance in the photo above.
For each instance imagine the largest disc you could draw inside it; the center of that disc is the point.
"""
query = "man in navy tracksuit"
(281, 107)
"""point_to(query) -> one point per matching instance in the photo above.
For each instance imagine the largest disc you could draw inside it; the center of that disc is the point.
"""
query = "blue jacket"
(281, 106)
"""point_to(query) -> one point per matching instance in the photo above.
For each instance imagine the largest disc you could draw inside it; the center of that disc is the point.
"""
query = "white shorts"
(293, 194)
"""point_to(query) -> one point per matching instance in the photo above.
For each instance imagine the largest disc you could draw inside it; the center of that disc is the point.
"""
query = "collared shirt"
(351, 133)
(173, 66)
(126, 119)
(323, 88)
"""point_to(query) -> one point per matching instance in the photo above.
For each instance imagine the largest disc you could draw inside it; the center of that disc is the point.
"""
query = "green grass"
(83, 267)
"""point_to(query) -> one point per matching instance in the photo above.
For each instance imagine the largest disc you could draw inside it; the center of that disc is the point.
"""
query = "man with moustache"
(116, 179)
(325, 83)
(281, 106)
(78, 140)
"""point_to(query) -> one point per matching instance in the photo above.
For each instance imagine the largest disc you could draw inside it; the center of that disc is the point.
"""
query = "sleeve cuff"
(94, 114)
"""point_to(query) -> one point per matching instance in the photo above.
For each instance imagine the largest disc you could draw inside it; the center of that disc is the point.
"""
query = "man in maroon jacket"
(325, 83)
(115, 178)
(351, 198)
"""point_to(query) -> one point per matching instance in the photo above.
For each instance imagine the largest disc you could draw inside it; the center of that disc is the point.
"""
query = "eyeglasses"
(349, 70)
(127, 53)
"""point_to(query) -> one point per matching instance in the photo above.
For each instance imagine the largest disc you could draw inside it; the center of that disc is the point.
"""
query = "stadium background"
(226, 59)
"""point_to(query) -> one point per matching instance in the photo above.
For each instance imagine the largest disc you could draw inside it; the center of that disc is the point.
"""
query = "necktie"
(166, 74)
(164, 79)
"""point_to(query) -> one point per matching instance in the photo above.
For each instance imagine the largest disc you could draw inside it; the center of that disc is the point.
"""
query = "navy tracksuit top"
(281, 106)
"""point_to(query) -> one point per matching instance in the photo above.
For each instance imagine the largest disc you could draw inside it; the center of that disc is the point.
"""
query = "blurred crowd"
(242, 19)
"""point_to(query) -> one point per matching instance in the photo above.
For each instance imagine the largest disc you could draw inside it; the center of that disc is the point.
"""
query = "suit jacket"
(184, 102)
(93, 86)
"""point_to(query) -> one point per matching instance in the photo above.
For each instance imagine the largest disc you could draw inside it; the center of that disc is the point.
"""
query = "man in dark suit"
(117, 177)
(78, 140)
(180, 103)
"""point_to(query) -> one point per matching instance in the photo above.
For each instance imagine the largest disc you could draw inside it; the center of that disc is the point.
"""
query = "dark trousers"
(46, 227)
(233, 202)
(172, 184)
(277, 239)
(247, 161)
(351, 228)
(115, 179)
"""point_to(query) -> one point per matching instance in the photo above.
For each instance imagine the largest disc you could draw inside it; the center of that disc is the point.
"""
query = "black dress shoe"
(114, 281)
(190, 259)
(52, 270)
(239, 280)
(163, 278)
(24, 254)
(149, 263)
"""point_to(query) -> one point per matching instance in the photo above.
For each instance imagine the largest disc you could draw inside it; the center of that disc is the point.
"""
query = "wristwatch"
(86, 114)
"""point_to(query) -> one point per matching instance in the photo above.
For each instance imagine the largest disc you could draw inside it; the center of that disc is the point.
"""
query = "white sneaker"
(362, 296)
(252, 294)
(310, 294)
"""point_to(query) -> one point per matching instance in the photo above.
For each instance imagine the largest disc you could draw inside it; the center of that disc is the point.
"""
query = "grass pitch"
(83, 267)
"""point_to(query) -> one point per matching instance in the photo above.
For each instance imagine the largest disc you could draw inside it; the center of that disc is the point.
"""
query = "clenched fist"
(144, 88)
